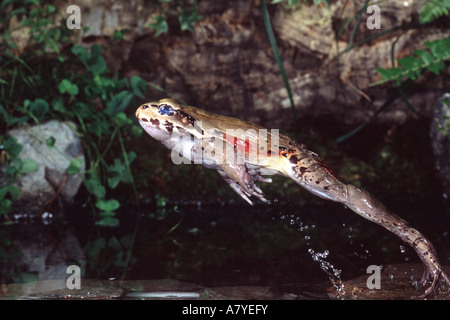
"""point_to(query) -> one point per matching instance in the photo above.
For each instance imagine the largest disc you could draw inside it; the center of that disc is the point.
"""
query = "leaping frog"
(242, 151)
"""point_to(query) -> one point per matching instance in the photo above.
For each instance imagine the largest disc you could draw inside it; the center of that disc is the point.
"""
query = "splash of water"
(333, 273)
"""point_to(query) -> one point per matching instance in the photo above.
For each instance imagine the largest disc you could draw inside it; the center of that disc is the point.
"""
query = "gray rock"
(40, 187)
(440, 138)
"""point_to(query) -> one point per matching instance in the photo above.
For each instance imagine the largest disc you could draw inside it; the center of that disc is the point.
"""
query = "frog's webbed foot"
(433, 272)
(366, 205)
(242, 181)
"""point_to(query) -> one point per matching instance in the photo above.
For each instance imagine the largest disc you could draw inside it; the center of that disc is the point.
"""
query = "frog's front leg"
(242, 180)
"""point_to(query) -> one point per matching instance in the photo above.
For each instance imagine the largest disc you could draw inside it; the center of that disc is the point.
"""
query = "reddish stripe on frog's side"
(242, 146)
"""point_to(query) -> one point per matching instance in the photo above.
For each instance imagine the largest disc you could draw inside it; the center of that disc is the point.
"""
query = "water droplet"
(402, 249)
(330, 270)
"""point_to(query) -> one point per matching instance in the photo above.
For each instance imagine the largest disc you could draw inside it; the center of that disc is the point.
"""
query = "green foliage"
(160, 24)
(107, 255)
(41, 81)
(434, 9)
(187, 18)
(411, 66)
(292, 3)
(431, 58)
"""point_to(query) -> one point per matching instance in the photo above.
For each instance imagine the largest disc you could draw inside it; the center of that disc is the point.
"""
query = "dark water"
(298, 252)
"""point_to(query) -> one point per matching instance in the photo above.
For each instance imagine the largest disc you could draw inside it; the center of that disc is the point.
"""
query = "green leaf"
(426, 56)
(81, 53)
(433, 10)
(12, 147)
(3, 192)
(139, 86)
(94, 187)
(188, 18)
(74, 166)
(92, 60)
(136, 130)
(428, 60)
(50, 142)
(58, 104)
(118, 171)
(114, 178)
(108, 222)
(121, 119)
(107, 205)
(97, 66)
(14, 166)
(107, 214)
(160, 25)
(39, 108)
(440, 48)
(65, 86)
(28, 166)
(119, 102)
(5, 206)
(412, 66)
(52, 45)
(390, 74)
(50, 9)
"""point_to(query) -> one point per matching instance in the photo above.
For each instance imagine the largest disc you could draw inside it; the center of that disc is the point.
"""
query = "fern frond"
(432, 59)
(433, 10)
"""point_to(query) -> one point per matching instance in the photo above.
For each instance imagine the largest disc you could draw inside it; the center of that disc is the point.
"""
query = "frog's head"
(160, 119)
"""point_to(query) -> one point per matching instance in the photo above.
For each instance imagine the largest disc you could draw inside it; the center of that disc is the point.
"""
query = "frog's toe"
(434, 275)
(267, 180)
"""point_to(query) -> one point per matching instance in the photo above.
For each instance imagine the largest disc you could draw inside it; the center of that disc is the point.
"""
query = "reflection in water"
(281, 254)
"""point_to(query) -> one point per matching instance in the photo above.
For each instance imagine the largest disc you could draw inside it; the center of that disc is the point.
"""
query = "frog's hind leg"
(309, 171)
(366, 205)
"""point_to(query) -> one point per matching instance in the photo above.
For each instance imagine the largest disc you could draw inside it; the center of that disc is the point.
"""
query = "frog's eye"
(166, 110)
